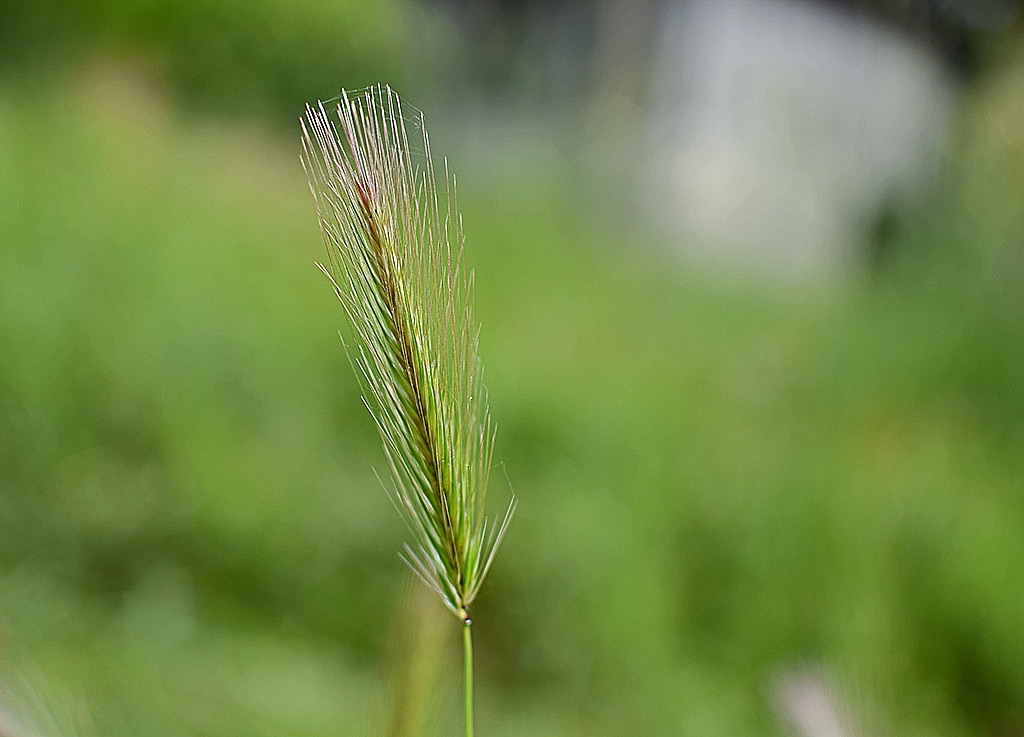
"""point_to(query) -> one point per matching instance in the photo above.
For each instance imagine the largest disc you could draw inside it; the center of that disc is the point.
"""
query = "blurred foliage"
(719, 482)
(225, 54)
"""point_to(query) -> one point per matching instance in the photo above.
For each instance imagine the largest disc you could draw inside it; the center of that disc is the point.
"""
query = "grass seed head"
(395, 256)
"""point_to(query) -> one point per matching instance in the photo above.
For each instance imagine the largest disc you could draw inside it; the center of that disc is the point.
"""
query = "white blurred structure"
(780, 128)
(811, 707)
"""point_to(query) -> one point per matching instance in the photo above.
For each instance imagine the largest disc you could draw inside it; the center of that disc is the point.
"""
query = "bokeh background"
(751, 280)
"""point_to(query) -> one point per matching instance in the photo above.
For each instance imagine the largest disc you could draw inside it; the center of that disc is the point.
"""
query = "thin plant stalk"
(395, 257)
(467, 651)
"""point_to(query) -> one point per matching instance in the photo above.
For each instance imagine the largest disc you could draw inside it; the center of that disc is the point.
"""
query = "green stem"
(467, 646)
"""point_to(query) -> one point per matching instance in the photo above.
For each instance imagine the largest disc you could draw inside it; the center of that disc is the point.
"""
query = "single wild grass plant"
(395, 256)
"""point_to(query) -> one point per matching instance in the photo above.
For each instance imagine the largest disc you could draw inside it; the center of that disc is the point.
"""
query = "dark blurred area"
(751, 277)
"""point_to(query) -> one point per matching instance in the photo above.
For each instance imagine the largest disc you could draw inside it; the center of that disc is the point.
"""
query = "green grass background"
(720, 483)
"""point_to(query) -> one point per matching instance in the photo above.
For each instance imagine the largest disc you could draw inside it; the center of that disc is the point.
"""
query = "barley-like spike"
(395, 260)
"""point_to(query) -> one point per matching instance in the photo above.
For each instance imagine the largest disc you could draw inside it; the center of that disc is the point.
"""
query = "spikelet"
(395, 257)
(31, 707)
